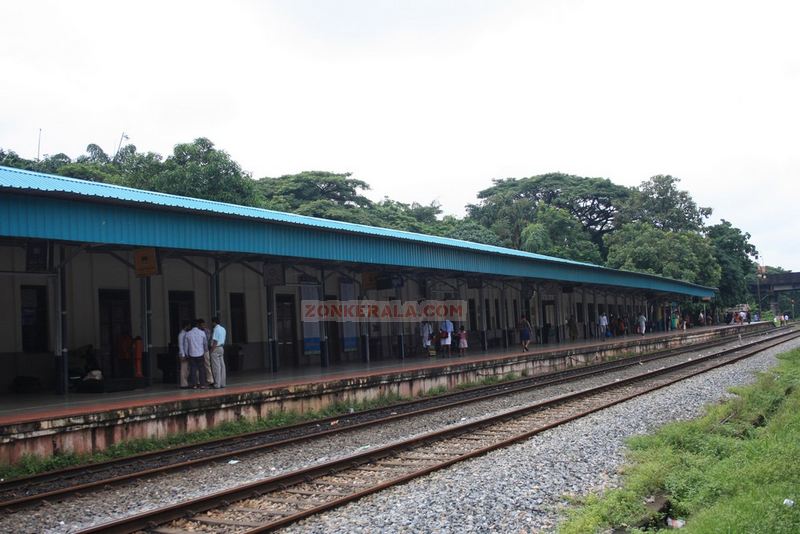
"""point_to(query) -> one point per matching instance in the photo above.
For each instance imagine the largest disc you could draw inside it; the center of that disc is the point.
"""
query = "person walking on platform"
(426, 331)
(218, 354)
(195, 346)
(642, 323)
(183, 359)
(572, 327)
(525, 329)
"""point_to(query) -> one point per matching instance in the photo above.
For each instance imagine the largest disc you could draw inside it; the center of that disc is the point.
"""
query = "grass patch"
(728, 471)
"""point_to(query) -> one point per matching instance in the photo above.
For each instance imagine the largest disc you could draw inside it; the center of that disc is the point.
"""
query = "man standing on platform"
(207, 356)
(602, 322)
(183, 359)
(218, 354)
(196, 347)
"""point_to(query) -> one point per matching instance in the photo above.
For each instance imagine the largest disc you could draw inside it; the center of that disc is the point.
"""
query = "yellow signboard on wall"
(145, 262)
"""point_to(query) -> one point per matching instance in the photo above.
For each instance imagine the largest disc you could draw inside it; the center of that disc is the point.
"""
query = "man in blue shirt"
(218, 354)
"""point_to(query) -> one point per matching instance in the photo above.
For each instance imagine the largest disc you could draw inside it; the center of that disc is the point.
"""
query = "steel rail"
(191, 509)
(237, 445)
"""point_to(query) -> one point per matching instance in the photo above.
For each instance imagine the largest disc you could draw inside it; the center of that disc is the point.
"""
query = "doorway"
(34, 323)
(549, 333)
(115, 332)
(286, 329)
(181, 311)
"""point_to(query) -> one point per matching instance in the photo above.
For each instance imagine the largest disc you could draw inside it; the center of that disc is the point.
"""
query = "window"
(33, 318)
(473, 316)
(516, 313)
(488, 312)
(497, 313)
(238, 326)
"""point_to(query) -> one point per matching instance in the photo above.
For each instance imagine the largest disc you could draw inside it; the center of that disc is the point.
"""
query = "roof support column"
(272, 343)
(366, 327)
(558, 299)
(585, 304)
(482, 297)
(462, 296)
(61, 331)
(538, 323)
(323, 336)
(147, 312)
(401, 337)
(504, 316)
(215, 289)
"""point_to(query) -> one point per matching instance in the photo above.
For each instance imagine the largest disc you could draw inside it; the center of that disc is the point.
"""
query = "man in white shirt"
(603, 324)
(425, 330)
(218, 354)
(183, 359)
(195, 346)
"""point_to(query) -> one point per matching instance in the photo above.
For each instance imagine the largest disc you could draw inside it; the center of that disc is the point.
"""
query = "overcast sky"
(428, 100)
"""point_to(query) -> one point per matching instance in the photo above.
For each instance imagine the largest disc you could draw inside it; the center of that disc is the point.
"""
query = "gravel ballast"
(522, 488)
(518, 489)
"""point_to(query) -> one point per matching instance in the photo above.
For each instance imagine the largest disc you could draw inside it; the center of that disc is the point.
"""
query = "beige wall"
(87, 273)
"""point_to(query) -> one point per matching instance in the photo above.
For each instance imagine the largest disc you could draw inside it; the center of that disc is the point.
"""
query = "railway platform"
(46, 425)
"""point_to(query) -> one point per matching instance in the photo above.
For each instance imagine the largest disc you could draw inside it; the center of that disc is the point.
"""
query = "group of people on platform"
(620, 326)
(201, 355)
(441, 340)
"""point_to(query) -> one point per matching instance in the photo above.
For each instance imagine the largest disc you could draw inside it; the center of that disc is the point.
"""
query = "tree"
(93, 172)
(94, 154)
(555, 232)
(735, 256)
(467, 230)
(51, 164)
(316, 193)
(414, 217)
(199, 170)
(9, 158)
(686, 256)
(510, 204)
(659, 202)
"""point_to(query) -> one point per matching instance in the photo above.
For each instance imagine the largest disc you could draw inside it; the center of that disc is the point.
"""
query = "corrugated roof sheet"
(21, 179)
(28, 181)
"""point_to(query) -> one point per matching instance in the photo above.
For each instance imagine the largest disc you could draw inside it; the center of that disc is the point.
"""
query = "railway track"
(279, 501)
(29, 491)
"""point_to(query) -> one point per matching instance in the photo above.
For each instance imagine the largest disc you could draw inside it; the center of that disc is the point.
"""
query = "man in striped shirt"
(195, 346)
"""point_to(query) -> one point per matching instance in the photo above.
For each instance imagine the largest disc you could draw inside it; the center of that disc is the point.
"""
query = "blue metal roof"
(45, 208)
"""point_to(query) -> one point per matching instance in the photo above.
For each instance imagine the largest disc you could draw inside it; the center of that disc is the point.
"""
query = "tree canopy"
(510, 204)
(644, 248)
(555, 232)
(659, 202)
(735, 255)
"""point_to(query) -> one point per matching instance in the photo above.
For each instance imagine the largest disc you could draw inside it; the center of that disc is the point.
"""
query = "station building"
(92, 270)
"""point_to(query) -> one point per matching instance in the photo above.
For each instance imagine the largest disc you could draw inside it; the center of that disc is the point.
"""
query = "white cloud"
(430, 100)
